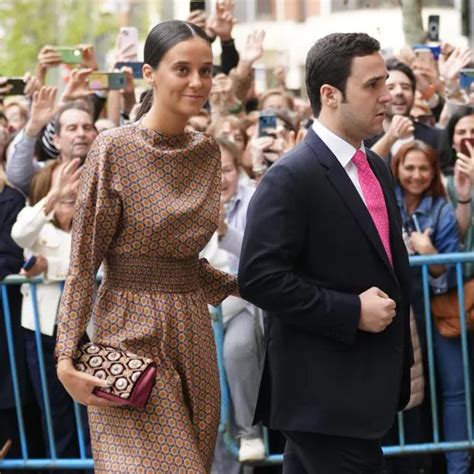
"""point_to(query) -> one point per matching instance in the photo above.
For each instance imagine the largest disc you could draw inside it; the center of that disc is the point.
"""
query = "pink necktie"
(374, 199)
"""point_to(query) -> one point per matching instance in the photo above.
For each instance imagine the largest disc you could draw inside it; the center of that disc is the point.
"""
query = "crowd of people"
(63, 166)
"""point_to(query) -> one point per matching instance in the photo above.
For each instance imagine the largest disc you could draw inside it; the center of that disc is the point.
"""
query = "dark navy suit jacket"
(310, 248)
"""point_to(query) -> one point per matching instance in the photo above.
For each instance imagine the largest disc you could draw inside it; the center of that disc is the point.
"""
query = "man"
(74, 134)
(323, 254)
(398, 126)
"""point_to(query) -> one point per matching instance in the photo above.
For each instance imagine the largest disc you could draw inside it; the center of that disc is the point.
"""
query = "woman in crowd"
(43, 230)
(148, 203)
(457, 165)
(429, 225)
(11, 260)
(243, 338)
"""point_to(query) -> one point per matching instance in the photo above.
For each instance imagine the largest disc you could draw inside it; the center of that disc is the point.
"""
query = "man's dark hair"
(69, 106)
(329, 61)
(393, 64)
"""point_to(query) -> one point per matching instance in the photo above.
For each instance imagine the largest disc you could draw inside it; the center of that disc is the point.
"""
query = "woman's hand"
(421, 242)
(81, 385)
(40, 266)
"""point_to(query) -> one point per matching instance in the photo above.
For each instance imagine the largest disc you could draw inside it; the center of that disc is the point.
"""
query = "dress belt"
(156, 273)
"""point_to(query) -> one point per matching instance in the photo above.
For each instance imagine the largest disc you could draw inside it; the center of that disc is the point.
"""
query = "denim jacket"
(439, 215)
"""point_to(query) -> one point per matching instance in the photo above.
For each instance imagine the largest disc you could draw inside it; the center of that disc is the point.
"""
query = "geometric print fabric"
(147, 204)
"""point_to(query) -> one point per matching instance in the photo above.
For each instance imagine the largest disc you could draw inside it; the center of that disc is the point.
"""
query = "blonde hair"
(3, 179)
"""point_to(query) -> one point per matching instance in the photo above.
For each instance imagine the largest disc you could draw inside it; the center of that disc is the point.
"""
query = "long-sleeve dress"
(147, 205)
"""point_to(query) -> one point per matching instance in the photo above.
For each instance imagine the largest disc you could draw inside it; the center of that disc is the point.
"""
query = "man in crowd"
(399, 127)
(74, 134)
(323, 254)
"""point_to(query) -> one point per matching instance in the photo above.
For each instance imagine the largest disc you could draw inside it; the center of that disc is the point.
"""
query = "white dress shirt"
(342, 150)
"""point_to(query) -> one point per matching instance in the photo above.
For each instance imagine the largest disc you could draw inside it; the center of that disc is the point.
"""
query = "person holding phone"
(429, 223)
(43, 230)
(457, 166)
(147, 205)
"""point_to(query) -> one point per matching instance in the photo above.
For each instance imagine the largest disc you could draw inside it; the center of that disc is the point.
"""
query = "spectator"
(43, 230)
(243, 338)
(74, 135)
(399, 127)
(429, 226)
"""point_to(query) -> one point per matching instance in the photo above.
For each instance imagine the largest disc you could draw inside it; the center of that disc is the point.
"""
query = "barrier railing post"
(13, 368)
(430, 351)
(464, 346)
(42, 371)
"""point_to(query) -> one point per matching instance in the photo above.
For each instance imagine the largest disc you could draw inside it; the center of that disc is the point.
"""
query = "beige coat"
(417, 379)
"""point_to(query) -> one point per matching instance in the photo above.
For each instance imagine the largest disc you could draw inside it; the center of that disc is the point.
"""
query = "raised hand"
(221, 21)
(449, 67)
(463, 179)
(32, 84)
(88, 57)
(254, 46)
(77, 86)
(43, 110)
(49, 57)
(400, 127)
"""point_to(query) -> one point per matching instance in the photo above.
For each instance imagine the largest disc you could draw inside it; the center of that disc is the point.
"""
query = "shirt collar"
(423, 208)
(341, 149)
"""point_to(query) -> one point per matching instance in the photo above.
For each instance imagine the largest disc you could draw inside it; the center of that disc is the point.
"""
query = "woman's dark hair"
(159, 41)
(437, 188)
(447, 155)
(329, 61)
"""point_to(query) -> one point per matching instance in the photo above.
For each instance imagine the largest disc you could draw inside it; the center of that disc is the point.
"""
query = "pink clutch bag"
(132, 376)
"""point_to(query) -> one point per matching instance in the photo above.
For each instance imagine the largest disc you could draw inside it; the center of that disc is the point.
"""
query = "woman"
(147, 204)
(457, 165)
(243, 338)
(43, 230)
(429, 225)
(11, 259)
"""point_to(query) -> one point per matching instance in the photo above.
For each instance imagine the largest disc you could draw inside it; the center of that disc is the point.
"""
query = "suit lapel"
(350, 196)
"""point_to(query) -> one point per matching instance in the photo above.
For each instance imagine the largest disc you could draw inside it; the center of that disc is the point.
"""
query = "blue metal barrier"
(26, 462)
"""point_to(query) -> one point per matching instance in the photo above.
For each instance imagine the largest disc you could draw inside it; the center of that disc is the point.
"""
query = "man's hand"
(377, 310)
(43, 109)
(400, 127)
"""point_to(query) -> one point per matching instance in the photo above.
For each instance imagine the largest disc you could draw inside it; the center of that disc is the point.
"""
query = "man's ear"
(148, 74)
(56, 142)
(330, 96)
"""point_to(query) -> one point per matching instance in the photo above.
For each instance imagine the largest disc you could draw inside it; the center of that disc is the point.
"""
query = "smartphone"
(70, 55)
(267, 123)
(464, 148)
(29, 263)
(17, 86)
(466, 78)
(195, 5)
(127, 44)
(433, 27)
(134, 65)
(106, 81)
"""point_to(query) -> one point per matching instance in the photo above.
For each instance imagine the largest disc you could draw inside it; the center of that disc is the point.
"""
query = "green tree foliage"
(27, 25)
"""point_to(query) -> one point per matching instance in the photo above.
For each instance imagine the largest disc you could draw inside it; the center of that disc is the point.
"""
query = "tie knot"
(359, 159)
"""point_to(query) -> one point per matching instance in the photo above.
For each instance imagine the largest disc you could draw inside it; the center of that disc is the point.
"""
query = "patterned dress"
(147, 204)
